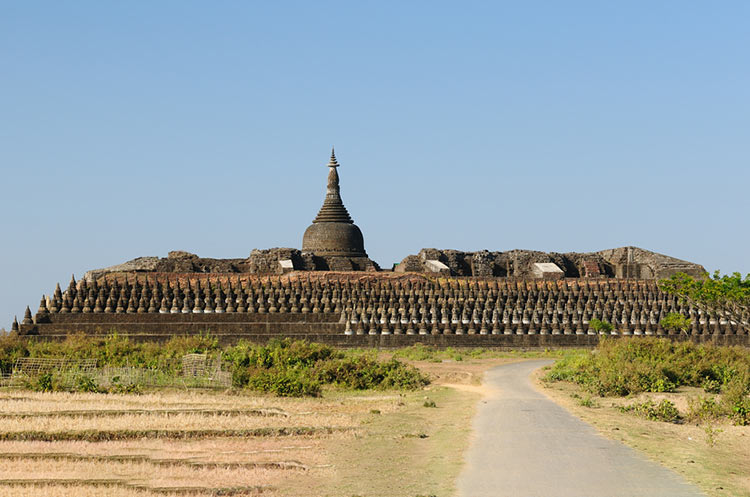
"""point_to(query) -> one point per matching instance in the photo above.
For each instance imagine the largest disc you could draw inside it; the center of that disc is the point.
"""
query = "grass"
(188, 421)
(428, 353)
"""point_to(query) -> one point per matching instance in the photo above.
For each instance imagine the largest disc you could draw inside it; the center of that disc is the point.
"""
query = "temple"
(331, 291)
(333, 236)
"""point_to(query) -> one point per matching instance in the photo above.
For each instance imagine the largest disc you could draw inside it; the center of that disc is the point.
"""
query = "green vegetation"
(295, 368)
(676, 322)
(728, 295)
(630, 366)
(109, 351)
(601, 326)
(420, 352)
(661, 411)
(283, 367)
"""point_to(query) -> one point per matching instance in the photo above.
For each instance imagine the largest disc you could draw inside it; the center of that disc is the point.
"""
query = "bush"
(85, 383)
(710, 385)
(364, 372)
(285, 383)
(600, 326)
(296, 368)
(702, 409)
(675, 321)
(628, 366)
(279, 353)
(44, 383)
(736, 403)
(663, 411)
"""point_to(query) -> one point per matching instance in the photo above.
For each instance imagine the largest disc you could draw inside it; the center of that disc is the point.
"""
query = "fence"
(198, 370)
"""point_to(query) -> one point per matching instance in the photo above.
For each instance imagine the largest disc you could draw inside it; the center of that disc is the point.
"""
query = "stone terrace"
(354, 309)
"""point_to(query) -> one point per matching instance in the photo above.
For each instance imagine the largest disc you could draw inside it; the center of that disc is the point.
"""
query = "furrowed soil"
(713, 455)
(371, 443)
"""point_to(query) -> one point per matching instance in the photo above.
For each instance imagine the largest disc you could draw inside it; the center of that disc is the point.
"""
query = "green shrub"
(131, 389)
(365, 372)
(429, 403)
(702, 409)
(632, 365)
(279, 353)
(601, 326)
(736, 403)
(84, 383)
(711, 385)
(663, 411)
(44, 383)
(284, 383)
(675, 321)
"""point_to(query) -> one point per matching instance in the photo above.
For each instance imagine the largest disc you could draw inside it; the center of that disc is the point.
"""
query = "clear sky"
(135, 128)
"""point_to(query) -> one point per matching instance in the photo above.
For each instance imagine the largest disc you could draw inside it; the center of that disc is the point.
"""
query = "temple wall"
(333, 307)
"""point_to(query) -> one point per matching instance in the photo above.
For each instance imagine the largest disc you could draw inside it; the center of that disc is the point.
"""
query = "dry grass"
(141, 473)
(721, 468)
(392, 444)
(160, 421)
(98, 491)
(281, 465)
(210, 450)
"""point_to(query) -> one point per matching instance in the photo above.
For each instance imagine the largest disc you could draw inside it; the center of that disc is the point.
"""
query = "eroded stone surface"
(623, 262)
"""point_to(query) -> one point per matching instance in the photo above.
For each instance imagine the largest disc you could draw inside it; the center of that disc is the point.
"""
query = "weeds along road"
(525, 445)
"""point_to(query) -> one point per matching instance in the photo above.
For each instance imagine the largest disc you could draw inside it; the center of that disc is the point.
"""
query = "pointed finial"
(14, 326)
(333, 162)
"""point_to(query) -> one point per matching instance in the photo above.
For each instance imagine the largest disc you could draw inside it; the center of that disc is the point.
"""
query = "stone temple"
(331, 291)
(332, 234)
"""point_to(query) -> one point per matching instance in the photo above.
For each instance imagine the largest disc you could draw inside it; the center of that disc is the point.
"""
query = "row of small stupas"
(345, 304)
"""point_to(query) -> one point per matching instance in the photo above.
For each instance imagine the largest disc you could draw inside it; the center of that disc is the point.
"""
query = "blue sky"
(135, 128)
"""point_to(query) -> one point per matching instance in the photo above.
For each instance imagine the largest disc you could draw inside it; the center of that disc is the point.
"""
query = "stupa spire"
(332, 162)
(333, 210)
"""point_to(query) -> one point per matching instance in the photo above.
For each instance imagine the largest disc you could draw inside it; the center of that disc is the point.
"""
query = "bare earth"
(526, 445)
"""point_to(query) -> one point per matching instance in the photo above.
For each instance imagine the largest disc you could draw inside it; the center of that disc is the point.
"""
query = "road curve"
(525, 445)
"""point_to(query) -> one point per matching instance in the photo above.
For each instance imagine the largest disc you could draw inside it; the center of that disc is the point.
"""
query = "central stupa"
(332, 232)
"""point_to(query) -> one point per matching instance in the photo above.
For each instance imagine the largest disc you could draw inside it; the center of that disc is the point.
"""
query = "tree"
(600, 325)
(676, 322)
(727, 295)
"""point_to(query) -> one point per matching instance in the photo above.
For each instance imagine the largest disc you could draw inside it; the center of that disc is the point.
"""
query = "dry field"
(714, 456)
(228, 443)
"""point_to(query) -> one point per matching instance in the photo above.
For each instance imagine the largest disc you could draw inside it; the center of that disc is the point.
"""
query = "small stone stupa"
(333, 235)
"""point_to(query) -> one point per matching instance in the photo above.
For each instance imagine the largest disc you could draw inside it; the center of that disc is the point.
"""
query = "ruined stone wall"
(624, 262)
(265, 262)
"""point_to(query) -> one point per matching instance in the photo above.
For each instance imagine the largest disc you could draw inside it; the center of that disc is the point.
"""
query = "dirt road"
(525, 445)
